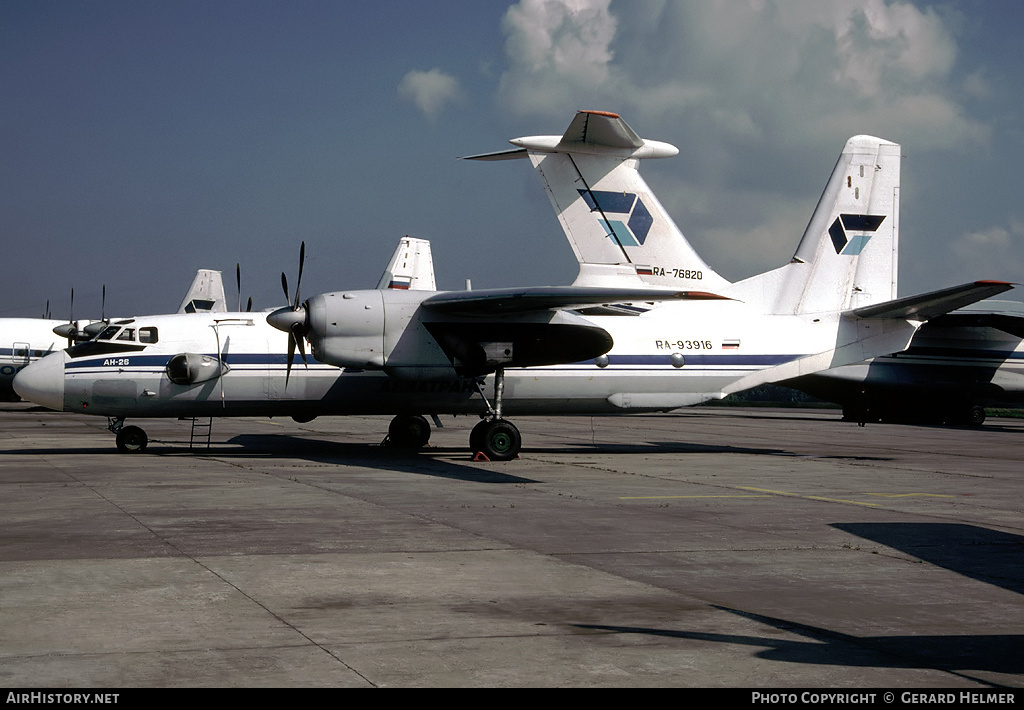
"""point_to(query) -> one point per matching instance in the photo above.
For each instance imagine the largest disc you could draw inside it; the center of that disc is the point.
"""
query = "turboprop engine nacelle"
(378, 329)
(346, 328)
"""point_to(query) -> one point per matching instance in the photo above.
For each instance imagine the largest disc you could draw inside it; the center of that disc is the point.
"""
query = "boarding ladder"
(200, 427)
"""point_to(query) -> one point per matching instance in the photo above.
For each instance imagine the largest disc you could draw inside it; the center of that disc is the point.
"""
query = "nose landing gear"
(130, 439)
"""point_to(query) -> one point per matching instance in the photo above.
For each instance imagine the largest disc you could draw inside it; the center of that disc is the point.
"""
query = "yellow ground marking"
(661, 497)
(767, 493)
(909, 495)
(796, 495)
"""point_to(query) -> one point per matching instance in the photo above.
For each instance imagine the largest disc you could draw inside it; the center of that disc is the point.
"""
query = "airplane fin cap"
(589, 133)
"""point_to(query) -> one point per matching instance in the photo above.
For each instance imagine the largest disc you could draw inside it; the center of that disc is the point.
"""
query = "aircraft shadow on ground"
(777, 414)
(988, 556)
(425, 462)
(346, 453)
(1000, 653)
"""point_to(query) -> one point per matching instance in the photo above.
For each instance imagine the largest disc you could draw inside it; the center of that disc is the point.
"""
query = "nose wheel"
(130, 439)
(495, 438)
(408, 431)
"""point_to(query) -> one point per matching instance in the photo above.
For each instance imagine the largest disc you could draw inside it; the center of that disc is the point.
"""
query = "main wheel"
(409, 431)
(975, 415)
(497, 439)
(131, 440)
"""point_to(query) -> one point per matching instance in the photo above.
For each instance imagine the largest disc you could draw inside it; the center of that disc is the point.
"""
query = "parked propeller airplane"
(690, 337)
(955, 365)
(32, 338)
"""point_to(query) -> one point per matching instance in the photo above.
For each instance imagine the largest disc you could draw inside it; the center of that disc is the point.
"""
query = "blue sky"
(142, 140)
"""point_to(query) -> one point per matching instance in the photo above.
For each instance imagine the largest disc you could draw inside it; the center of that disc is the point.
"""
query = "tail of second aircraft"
(621, 234)
(205, 294)
(411, 267)
(619, 231)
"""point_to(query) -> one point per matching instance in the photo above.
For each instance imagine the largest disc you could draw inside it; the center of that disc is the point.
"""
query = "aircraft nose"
(42, 382)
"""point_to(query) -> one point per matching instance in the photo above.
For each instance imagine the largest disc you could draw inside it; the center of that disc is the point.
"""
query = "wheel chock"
(481, 456)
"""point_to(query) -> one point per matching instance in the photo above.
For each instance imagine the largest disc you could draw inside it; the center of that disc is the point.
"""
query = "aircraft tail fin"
(206, 294)
(847, 257)
(617, 228)
(411, 267)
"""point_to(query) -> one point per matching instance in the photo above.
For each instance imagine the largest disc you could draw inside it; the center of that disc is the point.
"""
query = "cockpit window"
(109, 332)
(147, 335)
(127, 334)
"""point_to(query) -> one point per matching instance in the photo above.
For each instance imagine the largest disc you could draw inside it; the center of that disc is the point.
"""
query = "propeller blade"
(297, 335)
(289, 318)
(248, 308)
(291, 356)
(72, 331)
(238, 279)
(302, 260)
(103, 305)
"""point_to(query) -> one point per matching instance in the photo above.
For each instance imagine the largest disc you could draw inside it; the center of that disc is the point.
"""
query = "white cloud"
(764, 68)
(554, 46)
(429, 90)
(760, 96)
(992, 253)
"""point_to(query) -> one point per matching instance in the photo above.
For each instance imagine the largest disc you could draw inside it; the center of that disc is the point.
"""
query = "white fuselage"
(672, 355)
(25, 340)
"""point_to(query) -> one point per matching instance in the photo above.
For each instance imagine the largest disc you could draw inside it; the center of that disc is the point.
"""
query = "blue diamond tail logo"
(862, 226)
(636, 220)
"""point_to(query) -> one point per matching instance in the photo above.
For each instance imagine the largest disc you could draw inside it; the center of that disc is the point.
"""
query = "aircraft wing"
(543, 298)
(1007, 316)
(495, 337)
(1011, 325)
(935, 303)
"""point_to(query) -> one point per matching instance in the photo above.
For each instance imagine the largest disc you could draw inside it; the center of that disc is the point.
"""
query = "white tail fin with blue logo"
(621, 234)
(619, 231)
(848, 255)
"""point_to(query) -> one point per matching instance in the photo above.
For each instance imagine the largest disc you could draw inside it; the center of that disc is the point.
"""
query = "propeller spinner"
(69, 330)
(293, 319)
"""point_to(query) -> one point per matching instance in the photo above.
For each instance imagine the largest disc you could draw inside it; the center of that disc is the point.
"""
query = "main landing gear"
(130, 439)
(495, 438)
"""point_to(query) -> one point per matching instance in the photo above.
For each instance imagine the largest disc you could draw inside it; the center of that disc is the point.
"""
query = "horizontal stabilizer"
(543, 298)
(936, 303)
(510, 154)
(590, 133)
